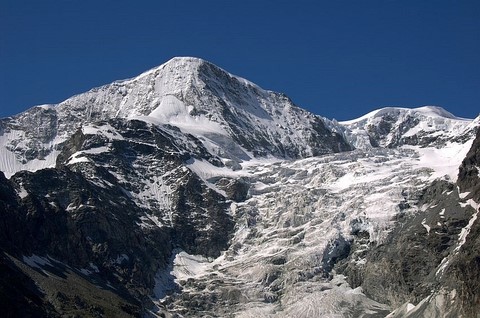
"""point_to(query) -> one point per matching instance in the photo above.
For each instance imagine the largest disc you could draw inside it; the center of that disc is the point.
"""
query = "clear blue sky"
(337, 58)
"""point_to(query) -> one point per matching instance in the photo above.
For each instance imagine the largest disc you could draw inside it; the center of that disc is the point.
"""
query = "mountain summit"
(396, 126)
(187, 191)
(233, 116)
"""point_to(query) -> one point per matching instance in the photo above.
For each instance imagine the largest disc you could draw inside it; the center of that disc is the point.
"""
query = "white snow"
(121, 258)
(443, 265)
(435, 111)
(427, 227)
(10, 164)
(206, 170)
(183, 266)
(443, 161)
(371, 114)
(105, 130)
(187, 266)
(462, 237)
(75, 159)
(46, 106)
(462, 195)
(300, 206)
(410, 307)
(36, 261)
(22, 193)
(174, 112)
(79, 155)
(466, 230)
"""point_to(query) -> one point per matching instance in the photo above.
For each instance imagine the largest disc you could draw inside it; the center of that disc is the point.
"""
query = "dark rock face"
(190, 220)
(88, 215)
(336, 251)
(235, 189)
(326, 141)
(70, 219)
(423, 259)
(40, 127)
(19, 295)
(405, 267)
(469, 174)
(463, 274)
(399, 270)
(379, 132)
(464, 271)
(11, 220)
(52, 289)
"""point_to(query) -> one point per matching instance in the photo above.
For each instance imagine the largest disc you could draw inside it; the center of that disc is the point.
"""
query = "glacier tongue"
(299, 220)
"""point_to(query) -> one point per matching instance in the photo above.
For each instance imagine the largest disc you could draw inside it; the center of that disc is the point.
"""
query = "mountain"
(188, 191)
(231, 116)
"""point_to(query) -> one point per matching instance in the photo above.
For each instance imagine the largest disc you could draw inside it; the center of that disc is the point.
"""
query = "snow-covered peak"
(426, 111)
(433, 111)
(233, 117)
(396, 126)
(174, 69)
(193, 64)
(186, 70)
(185, 60)
(202, 86)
